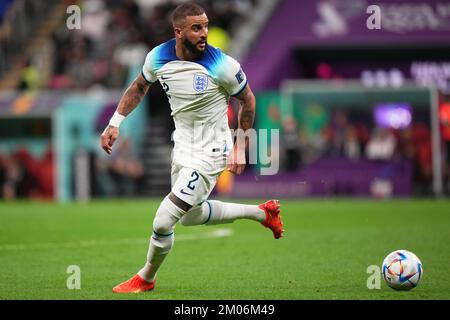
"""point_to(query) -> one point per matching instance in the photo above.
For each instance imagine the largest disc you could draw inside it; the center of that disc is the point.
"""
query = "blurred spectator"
(122, 171)
(423, 158)
(444, 116)
(30, 77)
(116, 35)
(414, 144)
(132, 52)
(10, 177)
(28, 169)
(342, 138)
(405, 146)
(45, 175)
(291, 143)
(381, 145)
(313, 145)
(337, 134)
(15, 34)
(363, 135)
(24, 176)
(352, 147)
(95, 20)
(18, 175)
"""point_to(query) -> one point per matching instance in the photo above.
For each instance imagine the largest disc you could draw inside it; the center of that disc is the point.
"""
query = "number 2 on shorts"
(195, 177)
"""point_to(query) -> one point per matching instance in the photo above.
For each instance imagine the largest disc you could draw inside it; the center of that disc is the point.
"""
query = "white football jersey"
(198, 92)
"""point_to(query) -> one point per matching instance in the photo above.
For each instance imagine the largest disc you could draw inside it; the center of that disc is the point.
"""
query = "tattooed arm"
(246, 114)
(246, 117)
(129, 101)
(133, 95)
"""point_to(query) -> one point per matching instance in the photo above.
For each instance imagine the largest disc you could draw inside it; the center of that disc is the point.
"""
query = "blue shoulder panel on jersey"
(211, 60)
(164, 53)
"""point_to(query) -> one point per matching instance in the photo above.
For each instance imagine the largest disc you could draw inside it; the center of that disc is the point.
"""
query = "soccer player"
(198, 80)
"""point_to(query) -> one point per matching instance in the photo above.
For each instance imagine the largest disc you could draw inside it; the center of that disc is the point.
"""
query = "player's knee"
(193, 217)
(162, 226)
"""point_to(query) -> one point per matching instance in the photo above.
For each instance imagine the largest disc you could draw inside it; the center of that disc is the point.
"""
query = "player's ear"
(178, 32)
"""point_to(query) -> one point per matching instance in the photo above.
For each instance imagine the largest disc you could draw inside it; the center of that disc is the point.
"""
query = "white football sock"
(218, 212)
(162, 238)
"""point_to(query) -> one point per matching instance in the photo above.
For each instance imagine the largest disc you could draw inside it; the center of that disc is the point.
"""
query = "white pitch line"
(218, 233)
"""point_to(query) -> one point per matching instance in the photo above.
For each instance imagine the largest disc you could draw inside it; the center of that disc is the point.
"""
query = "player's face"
(194, 33)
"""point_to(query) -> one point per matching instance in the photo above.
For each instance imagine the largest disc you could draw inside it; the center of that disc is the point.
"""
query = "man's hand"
(108, 137)
(236, 160)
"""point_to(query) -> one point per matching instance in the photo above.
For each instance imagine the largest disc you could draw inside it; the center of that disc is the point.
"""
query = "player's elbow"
(249, 100)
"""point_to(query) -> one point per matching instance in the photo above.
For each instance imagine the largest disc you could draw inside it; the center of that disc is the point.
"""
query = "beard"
(192, 47)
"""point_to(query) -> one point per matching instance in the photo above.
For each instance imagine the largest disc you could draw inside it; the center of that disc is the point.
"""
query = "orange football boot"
(273, 218)
(134, 285)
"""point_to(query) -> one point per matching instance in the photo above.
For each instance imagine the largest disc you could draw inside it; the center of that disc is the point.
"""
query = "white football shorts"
(191, 185)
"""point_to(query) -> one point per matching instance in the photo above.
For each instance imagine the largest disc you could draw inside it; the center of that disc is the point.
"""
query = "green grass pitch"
(327, 248)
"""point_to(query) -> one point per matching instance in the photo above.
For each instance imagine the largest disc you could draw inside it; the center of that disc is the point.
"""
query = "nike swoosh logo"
(167, 78)
(182, 191)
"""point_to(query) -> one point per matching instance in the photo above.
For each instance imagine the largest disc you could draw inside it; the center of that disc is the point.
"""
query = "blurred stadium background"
(362, 113)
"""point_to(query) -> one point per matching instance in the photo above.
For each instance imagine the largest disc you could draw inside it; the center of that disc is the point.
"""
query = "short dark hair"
(185, 10)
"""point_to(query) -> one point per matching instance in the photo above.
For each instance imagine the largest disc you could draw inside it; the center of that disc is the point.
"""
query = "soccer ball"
(402, 270)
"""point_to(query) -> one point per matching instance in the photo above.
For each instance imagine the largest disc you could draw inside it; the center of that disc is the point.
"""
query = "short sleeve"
(232, 77)
(148, 68)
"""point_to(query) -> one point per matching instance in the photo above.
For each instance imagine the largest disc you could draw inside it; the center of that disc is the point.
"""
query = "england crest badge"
(200, 82)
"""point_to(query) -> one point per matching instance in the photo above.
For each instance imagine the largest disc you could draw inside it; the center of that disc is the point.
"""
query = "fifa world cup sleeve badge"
(240, 76)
